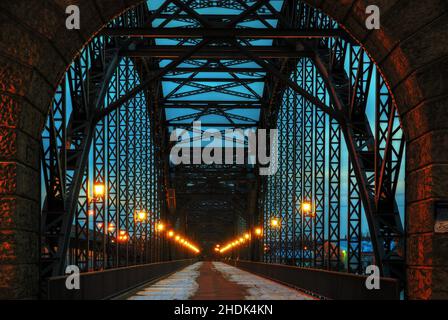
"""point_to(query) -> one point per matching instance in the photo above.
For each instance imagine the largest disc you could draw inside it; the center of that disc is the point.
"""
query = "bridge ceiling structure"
(244, 65)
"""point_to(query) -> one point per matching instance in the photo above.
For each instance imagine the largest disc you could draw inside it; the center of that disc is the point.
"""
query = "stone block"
(427, 183)
(428, 149)
(19, 281)
(18, 247)
(420, 217)
(428, 116)
(19, 214)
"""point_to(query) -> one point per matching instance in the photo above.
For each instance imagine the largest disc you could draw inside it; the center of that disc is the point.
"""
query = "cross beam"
(175, 52)
(168, 33)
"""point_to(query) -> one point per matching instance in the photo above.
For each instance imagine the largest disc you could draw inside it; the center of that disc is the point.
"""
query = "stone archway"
(36, 49)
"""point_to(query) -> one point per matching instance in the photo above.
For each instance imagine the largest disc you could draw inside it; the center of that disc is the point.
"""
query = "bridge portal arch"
(410, 50)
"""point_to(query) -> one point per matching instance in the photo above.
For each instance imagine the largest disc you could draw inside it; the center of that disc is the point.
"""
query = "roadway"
(216, 281)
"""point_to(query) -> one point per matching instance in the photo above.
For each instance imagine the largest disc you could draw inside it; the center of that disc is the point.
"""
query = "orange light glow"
(141, 216)
(99, 190)
(182, 241)
(307, 207)
(275, 223)
(160, 226)
(241, 241)
(123, 236)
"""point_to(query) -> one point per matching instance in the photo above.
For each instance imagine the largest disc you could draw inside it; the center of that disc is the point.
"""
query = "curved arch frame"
(37, 53)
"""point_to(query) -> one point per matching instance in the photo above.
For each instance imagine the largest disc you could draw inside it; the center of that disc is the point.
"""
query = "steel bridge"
(163, 74)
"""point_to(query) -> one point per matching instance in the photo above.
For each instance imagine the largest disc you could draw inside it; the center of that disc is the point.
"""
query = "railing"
(111, 283)
(325, 284)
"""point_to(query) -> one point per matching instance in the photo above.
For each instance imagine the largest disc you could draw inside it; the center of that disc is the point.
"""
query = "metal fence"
(326, 284)
(111, 283)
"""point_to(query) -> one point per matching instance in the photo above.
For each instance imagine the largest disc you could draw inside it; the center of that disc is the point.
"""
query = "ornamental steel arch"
(109, 125)
(87, 144)
(352, 128)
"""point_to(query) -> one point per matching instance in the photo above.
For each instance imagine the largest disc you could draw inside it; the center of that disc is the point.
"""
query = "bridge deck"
(217, 281)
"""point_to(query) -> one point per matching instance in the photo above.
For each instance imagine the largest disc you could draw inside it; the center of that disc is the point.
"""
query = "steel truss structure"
(255, 64)
(341, 76)
(120, 151)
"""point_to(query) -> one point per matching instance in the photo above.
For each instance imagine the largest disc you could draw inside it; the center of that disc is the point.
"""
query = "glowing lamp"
(275, 223)
(141, 216)
(123, 236)
(306, 207)
(99, 190)
(160, 227)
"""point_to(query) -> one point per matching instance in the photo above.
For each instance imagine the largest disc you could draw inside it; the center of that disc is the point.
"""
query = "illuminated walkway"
(217, 281)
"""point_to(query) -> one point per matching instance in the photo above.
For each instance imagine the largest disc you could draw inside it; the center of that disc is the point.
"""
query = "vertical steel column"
(334, 197)
(77, 74)
(99, 219)
(112, 177)
(282, 184)
(298, 161)
(291, 181)
(54, 156)
(130, 165)
(138, 192)
(308, 157)
(320, 119)
(355, 208)
(123, 159)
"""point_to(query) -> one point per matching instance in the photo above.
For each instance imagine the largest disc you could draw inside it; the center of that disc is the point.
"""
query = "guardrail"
(326, 284)
(110, 283)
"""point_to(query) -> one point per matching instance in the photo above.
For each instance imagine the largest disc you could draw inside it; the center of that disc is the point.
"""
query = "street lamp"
(160, 227)
(99, 190)
(111, 227)
(307, 208)
(123, 236)
(258, 231)
(275, 223)
(170, 234)
(141, 216)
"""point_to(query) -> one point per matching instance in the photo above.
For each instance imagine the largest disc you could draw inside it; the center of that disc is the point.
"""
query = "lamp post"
(275, 224)
(140, 218)
(306, 211)
(99, 227)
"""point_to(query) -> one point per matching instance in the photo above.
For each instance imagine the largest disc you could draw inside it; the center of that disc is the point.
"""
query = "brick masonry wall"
(36, 49)
(412, 53)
